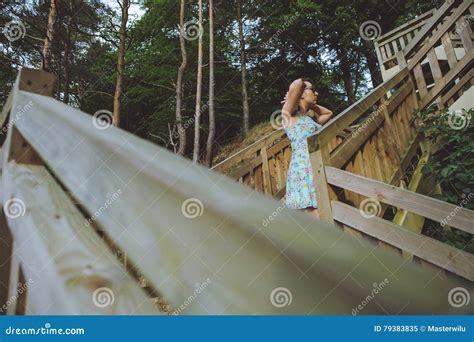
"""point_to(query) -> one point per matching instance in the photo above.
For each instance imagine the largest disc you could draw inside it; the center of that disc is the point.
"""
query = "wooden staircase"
(361, 156)
(95, 220)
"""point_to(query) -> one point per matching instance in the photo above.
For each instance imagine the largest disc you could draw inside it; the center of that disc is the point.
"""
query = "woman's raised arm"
(291, 104)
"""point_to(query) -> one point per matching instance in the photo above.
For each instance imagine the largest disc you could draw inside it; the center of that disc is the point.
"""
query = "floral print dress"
(300, 192)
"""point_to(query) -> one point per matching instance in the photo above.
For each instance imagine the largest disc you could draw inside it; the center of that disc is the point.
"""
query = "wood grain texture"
(438, 253)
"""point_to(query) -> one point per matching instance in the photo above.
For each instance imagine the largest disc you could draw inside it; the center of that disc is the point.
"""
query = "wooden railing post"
(267, 187)
(319, 159)
(15, 147)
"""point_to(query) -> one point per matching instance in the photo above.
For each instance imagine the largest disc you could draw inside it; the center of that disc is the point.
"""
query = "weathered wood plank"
(6, 251)
(467, 78)
(348, 116)
(419, 204)
(427, 29)
(248, 151)
(158, 183)
(434, 65)
(449, 50)
(65, 262)
(438, 253)
(318, 159)
(436, 35)
(420, 81)
(448, 78)
(266, 172)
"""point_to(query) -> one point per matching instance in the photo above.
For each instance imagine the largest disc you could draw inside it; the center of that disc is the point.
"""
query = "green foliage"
(284, 40)
(452, 163)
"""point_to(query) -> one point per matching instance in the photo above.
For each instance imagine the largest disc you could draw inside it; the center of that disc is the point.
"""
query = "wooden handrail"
(429, 27)
(440, 254)
(357, 109)
(434, 36)
(227, 163)
(419, 204)
(395, 33)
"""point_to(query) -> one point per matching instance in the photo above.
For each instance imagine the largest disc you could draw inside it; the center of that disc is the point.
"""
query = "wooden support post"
(265, 171)
(464, 30)
(401, 60)
(434, 65)
(420, 81)
(319, 159)
(6, 250)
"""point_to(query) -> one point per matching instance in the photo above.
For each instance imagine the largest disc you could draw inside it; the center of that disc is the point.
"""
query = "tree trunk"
(179, 84)
(212, 119)
(67, 52)
(48, 41)
(197, 114)
(120, 62)
(243, 68)
(347, 76)
(372, 63)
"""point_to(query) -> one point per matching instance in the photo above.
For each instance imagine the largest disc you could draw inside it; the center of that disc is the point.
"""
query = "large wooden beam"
(67, 267)
(175, 246)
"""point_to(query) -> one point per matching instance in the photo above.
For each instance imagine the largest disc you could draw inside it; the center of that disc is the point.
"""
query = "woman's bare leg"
(314, 212)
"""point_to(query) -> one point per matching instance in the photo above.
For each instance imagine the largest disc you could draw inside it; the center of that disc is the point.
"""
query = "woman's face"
(310, 95)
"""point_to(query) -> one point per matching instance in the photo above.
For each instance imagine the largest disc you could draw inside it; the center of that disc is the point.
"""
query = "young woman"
(302, 97)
